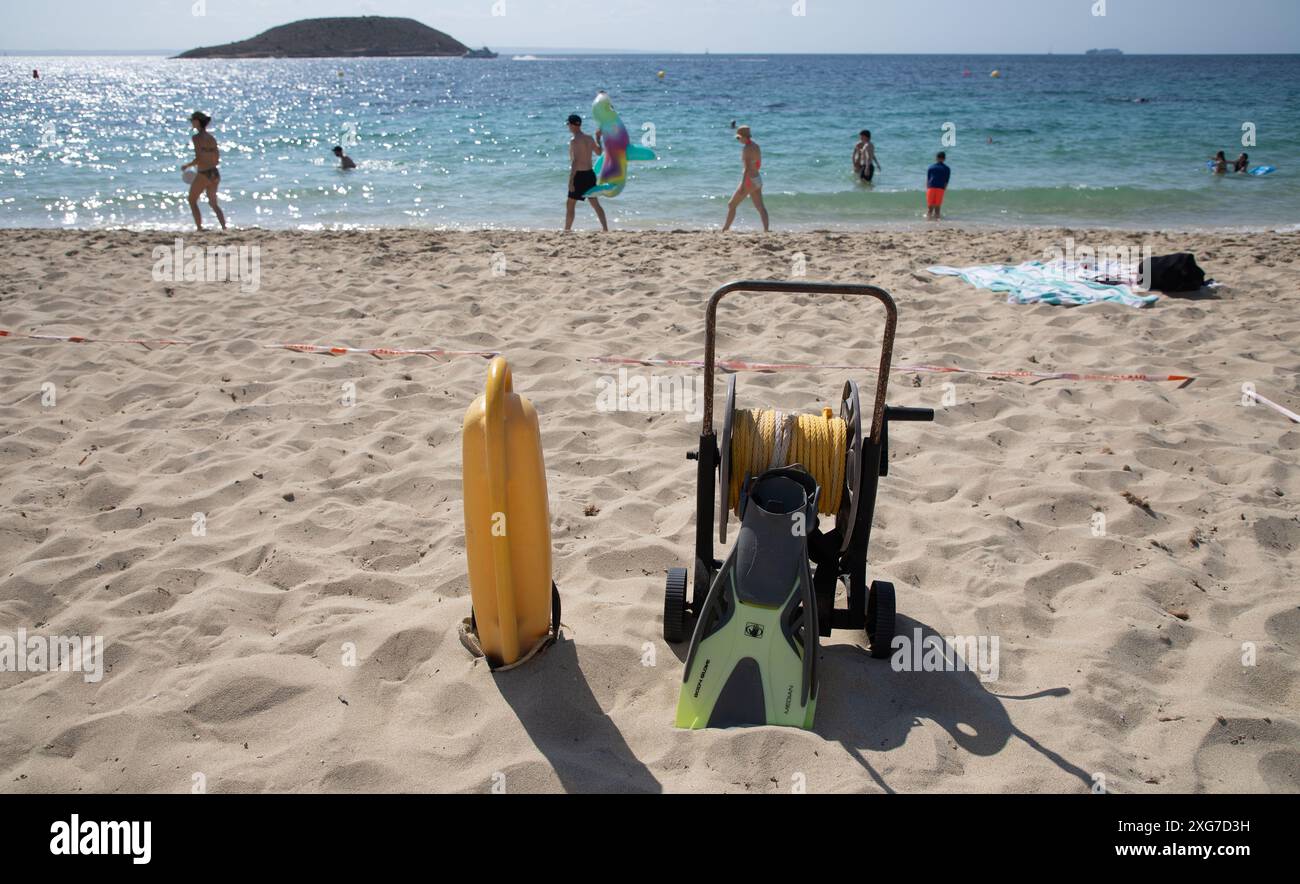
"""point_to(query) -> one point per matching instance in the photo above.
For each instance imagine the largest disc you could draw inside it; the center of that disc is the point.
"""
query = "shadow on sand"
(1205, 293)
(555, 705)
(867, 705)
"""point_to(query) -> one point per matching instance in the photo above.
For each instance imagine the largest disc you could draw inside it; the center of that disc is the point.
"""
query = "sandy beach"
(328, 490)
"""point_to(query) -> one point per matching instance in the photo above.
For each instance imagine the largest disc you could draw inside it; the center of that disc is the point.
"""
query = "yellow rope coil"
(818, 441)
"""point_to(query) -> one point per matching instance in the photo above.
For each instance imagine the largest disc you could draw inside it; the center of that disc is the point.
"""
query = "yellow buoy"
(996, 75)
(662, 74)
(507, 524)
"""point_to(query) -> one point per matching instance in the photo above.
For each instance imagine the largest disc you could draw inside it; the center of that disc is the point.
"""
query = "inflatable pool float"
(611, 166)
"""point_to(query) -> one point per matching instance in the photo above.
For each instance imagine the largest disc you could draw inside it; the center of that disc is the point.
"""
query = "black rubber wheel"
(675, 605)
(881, 619)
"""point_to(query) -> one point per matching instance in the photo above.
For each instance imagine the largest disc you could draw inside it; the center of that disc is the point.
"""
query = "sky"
(721, 26)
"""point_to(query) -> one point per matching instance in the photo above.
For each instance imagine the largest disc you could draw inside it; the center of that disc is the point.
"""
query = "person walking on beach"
(751, 182)
(207, 156)
(345, 162)
(936, 187)
(865, 163)
(581, 177)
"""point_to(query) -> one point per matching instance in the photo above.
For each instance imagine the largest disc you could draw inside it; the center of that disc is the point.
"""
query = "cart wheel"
(675, 605)
(880, 619)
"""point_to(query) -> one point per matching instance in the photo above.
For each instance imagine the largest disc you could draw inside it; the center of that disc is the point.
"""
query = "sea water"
(1119, 141)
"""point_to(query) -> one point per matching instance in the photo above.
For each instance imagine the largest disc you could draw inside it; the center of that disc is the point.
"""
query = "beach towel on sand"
(1054, 282)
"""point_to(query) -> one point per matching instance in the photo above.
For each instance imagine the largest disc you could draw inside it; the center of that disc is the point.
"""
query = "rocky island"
(369, 36)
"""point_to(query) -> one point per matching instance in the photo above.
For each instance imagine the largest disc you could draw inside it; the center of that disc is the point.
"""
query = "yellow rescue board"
(507, 522)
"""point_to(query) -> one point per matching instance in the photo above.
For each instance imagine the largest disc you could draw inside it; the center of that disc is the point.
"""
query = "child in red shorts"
(936, 187)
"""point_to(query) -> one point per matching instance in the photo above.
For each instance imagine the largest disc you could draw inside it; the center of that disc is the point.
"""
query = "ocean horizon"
(1055, 140)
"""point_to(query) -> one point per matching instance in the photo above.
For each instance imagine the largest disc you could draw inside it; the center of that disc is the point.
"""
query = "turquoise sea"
(1116, 141)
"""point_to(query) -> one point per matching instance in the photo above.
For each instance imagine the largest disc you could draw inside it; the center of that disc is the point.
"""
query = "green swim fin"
(753, 657)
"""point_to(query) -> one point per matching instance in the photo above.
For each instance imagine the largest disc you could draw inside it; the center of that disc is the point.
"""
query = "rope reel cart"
(846, 462)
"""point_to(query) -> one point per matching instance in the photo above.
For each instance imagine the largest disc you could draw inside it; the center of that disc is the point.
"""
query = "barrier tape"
(1273, 405)
(736, 366)
(80, 339)
(379, 352)
(324, 349)
(1053, 375)
(724, 364)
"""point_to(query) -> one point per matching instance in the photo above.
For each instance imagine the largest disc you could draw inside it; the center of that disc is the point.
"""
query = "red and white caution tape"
(1273, 405)
(723, 364)
(80, 339)
(1049, 375)
(325, 349)
(735, 366)
(379, 352)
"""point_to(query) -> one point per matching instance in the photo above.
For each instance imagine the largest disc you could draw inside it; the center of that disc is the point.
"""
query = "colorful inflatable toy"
(611, 166)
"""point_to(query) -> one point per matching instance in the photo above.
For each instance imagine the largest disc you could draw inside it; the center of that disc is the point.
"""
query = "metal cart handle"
(803, 288)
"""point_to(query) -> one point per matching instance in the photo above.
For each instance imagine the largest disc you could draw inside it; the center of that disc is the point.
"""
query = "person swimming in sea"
(345, 162)
(865, 163)
(1220, 164)
(207, 157)
(1242, 164)
(751, 182)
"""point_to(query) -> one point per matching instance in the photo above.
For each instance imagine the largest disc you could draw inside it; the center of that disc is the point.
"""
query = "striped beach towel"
(1057, 282)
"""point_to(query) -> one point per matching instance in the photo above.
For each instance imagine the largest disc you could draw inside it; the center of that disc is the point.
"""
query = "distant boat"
(1105, 52)
(480, 53)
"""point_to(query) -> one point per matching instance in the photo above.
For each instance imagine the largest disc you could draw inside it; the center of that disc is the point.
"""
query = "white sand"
(1121, 655)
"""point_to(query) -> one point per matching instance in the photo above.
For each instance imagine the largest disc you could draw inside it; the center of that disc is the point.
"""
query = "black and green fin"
(753, 657)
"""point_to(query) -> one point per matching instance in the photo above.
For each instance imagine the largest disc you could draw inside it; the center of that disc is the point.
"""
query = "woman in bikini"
(751, 185)
(207, 156)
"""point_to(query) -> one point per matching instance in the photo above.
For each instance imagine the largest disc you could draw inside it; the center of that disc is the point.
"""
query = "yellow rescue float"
(516, 607)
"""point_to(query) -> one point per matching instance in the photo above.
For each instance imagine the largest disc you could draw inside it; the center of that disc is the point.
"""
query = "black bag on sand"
(1174, 273)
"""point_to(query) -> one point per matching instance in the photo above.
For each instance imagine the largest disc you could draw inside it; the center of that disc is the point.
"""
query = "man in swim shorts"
(936, 187)
(865, 163)
(581, 177)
